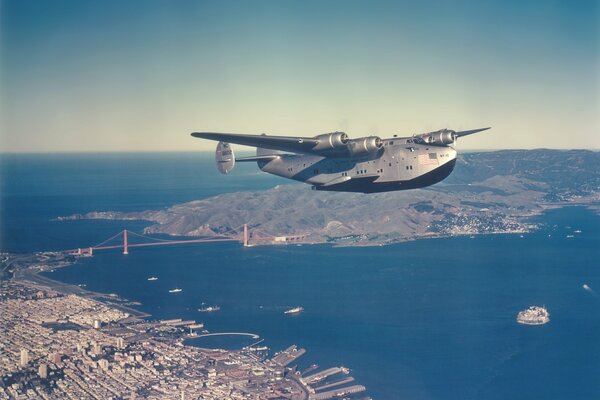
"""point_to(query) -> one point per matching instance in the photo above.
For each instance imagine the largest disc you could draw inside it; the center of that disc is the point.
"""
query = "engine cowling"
(443, 137)
(364, 146)
(331, 141)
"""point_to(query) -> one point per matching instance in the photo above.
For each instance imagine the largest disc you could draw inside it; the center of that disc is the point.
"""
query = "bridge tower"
(245, 235)
(125, 248)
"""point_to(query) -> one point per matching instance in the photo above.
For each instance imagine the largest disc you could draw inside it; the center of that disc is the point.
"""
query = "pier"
(319, 376)
(334, 384)
(288, 356)
(341, 392)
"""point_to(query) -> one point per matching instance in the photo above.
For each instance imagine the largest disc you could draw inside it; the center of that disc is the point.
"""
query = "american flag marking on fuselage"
(428, 159)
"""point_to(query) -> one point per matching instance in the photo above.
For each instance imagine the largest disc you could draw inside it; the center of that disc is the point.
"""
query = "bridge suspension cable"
(108, 240)
(149, 237)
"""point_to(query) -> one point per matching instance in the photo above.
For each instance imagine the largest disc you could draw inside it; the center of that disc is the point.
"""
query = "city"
(56, 344)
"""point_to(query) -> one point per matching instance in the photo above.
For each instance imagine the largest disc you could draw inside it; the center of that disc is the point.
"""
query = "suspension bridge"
(124, 242)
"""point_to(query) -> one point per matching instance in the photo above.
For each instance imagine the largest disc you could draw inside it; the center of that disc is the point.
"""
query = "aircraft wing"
(284, 143)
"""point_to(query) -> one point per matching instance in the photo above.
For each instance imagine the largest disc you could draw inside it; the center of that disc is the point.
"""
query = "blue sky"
(141, 75)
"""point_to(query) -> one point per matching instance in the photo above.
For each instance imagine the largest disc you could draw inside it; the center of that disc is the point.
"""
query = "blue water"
(432, 319)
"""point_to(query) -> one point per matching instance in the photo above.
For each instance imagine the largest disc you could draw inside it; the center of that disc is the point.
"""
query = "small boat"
(295, 310)
(176, 290)
(153, 278)
(209, 309)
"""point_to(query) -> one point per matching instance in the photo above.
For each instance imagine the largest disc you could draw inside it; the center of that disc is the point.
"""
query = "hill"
(489, 192)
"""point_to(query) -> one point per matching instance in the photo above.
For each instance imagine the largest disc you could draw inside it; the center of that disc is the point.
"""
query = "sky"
(131, 75)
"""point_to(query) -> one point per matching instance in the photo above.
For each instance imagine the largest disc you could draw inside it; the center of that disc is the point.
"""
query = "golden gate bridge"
(126, 245)
(152, 241)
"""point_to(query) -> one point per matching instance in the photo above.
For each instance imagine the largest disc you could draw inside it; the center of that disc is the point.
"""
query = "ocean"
(429, 319)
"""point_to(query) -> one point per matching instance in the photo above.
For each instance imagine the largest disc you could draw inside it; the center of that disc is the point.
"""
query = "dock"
(319, 376)
(334, 384)
(338, 392)
(288, 356)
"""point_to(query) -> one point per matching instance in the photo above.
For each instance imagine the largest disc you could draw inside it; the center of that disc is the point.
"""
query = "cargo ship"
(209, 309)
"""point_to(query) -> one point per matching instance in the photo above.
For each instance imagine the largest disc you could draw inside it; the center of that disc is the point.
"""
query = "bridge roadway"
(120, 246)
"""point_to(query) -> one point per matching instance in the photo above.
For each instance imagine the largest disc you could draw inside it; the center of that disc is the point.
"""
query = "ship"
(176, 290)
(534, 315)
(153, 278)
(295, 310)
(209, 309)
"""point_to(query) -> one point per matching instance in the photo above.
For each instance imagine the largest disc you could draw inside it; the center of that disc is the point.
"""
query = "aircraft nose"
(452, 153)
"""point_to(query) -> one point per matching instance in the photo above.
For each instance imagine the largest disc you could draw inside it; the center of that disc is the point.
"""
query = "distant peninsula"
(488, 192)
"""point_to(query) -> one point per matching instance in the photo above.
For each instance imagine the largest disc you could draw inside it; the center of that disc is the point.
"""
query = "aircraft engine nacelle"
(443, 137)
(331, 141)
(364, 146)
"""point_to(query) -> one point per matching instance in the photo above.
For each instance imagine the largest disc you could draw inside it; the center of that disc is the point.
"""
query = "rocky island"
(488, 192)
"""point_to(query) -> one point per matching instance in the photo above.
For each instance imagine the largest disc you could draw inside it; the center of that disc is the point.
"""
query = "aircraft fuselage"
(400, 164)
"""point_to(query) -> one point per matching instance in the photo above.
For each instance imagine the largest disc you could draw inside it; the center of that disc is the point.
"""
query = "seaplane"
(334, 162)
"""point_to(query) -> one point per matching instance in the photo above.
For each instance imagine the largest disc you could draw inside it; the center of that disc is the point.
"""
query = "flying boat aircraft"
(334, 162)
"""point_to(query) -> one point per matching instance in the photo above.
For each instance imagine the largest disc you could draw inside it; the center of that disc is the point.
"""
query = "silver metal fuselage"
(399, 164)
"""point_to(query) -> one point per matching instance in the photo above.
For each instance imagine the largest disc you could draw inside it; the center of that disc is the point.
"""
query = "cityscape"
(55, 343)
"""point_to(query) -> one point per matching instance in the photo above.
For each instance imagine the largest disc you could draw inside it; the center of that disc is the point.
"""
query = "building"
(120, 343)
(103, 364)
(24, 357)
(97, 324)
(43, 371)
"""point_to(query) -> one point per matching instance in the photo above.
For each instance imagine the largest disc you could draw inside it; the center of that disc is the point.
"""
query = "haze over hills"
(488, 192)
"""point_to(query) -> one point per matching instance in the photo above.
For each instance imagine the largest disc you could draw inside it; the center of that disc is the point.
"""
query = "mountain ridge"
(489, 192)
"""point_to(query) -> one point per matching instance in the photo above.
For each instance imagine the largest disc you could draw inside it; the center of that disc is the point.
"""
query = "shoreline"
(33, 277)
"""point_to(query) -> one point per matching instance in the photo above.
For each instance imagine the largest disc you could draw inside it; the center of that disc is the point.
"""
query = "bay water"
(429, 319)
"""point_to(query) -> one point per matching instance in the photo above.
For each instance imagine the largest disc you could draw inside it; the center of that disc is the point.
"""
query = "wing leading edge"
(284, 143)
